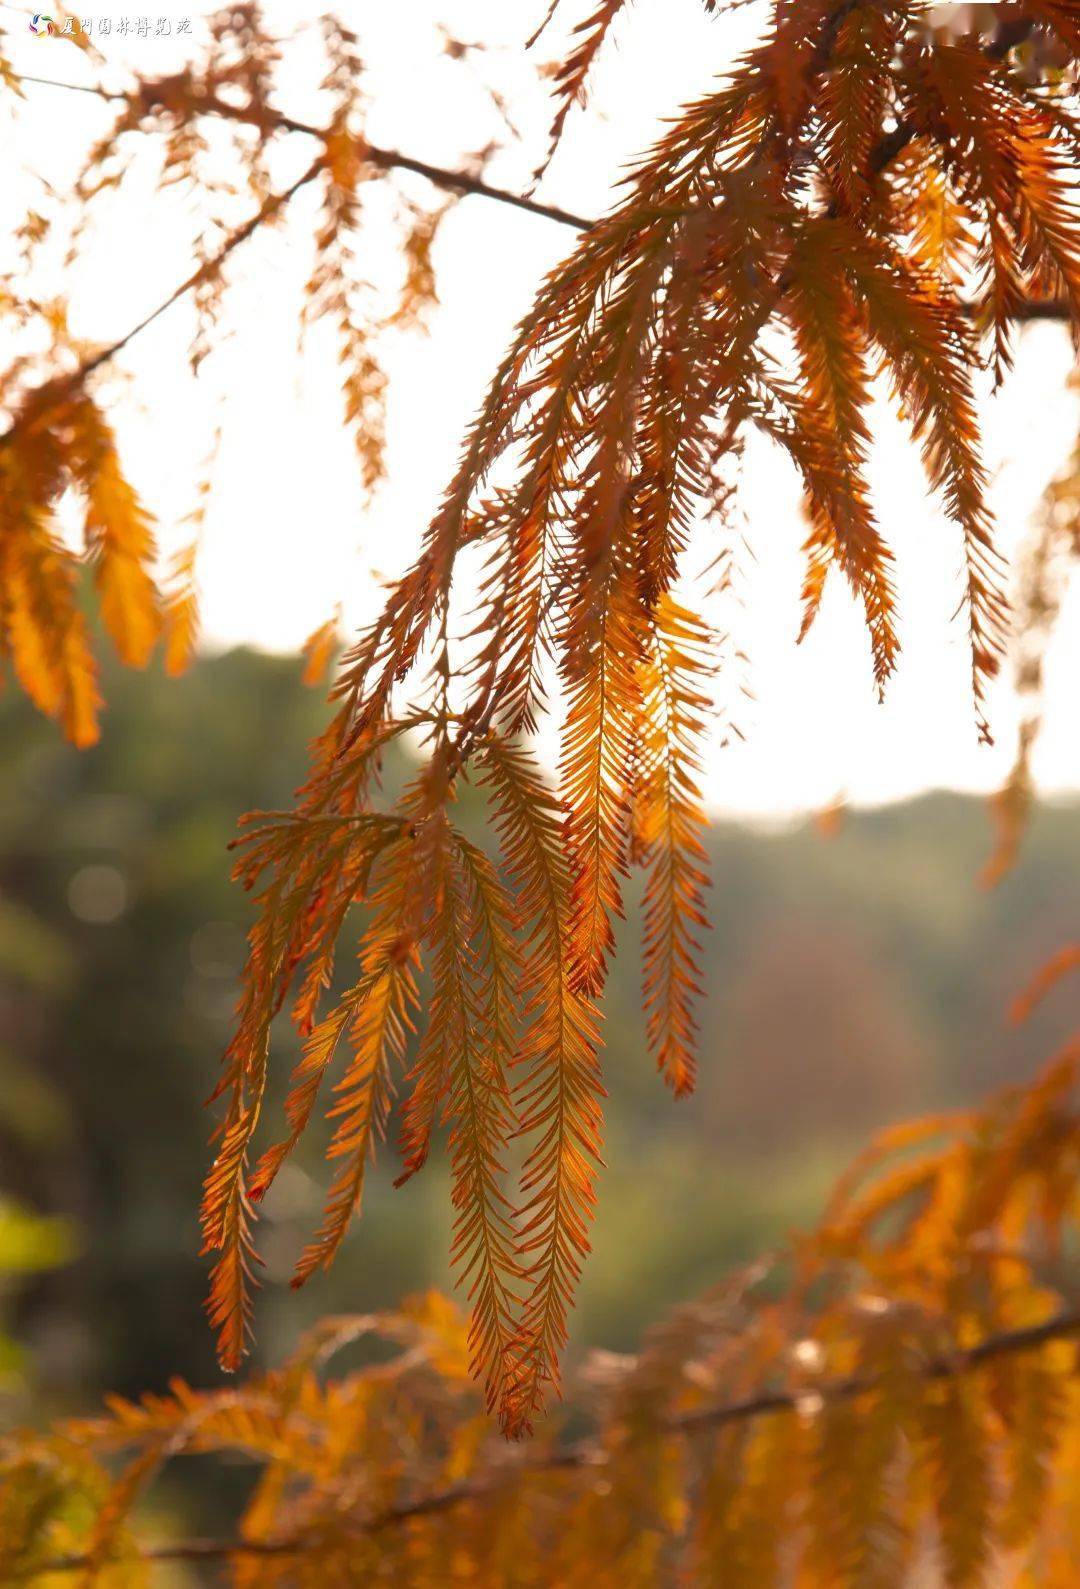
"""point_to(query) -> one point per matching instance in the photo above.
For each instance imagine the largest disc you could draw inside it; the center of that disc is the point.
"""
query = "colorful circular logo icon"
(42, 24)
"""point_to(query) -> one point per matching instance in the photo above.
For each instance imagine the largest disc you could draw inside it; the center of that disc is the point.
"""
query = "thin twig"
(388, 159)
(587, 1454)
(58, 389)
(962, 1361)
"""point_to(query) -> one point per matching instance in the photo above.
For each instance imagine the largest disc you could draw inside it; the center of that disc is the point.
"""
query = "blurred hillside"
(851, 981)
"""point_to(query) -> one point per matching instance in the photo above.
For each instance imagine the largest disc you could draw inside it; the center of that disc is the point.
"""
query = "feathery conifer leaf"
(869, 198)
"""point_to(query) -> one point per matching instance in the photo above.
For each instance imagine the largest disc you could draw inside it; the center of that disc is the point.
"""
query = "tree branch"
(58, 389)
(1008, 35)
(587, 1454)
(387, 159)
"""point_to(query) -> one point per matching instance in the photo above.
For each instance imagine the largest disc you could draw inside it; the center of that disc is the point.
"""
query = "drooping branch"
(643, 350)
(641, 353)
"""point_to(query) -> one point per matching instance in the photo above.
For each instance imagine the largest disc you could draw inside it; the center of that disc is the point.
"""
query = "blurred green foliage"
(32, 1113)
(850, 981)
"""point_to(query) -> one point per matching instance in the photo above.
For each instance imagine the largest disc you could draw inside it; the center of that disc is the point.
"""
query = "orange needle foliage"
(68, 445)
(892, 1397)
(776, 255)
(865, 203)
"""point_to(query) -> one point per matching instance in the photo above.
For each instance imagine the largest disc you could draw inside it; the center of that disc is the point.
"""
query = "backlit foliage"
(66, 444)
(57, 438)
(864, 206)
(894, 1393)
(863, 201)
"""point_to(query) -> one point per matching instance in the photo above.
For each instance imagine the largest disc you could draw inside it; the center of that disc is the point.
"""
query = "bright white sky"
(286, 538)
